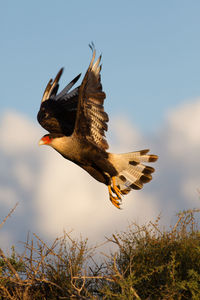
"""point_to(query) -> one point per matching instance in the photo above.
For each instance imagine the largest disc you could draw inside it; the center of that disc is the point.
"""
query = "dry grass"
(150, 263)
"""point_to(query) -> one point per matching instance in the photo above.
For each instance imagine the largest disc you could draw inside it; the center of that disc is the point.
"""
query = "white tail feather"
(132, 173)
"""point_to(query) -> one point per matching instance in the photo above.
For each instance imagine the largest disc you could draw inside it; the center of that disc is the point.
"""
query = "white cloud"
(183, 129)
(17, 133)
(7, 196)
(56, 195)
(190, 188)
(124, 136)
(23, 174)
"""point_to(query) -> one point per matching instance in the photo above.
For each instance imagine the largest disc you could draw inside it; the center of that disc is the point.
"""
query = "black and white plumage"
(76, 122)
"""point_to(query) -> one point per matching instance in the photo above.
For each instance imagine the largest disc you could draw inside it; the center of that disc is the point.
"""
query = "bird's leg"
(115, 188)
(113, 199)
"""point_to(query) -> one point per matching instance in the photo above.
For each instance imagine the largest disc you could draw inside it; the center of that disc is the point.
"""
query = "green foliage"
(13, 260)
(155, 264)
(149, 263)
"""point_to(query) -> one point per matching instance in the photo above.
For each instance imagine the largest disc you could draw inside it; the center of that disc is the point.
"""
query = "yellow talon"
(113, 199)
(116, 189)
(115, 202)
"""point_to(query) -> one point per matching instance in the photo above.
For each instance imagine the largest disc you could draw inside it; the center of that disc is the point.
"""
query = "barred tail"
(132, 173)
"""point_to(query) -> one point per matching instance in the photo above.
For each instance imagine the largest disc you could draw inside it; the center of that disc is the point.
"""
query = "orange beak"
(41, 142)
(44, 141)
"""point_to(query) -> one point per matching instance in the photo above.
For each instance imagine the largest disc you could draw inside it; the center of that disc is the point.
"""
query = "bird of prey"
(76, 122)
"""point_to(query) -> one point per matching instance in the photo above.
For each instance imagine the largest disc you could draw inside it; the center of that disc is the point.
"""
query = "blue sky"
(151, 53)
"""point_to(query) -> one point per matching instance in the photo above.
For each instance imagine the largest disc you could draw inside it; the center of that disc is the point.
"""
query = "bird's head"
(46, 140)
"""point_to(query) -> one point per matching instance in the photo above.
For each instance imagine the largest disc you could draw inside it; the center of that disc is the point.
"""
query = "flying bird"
(76, 122)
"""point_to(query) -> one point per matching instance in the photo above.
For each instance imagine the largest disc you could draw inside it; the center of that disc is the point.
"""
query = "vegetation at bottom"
(148, 262)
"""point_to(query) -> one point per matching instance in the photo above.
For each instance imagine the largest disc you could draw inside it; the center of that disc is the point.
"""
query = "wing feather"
(52, 86)
(81, 110)
(91, 120)
(57, 113)
(64, 93)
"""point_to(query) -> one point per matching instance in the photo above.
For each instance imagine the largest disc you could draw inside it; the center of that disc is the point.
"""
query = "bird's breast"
(69, 147)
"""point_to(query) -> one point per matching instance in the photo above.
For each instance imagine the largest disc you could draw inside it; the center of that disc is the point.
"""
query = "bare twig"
(10, 213)
(93, 277)
(6, 293)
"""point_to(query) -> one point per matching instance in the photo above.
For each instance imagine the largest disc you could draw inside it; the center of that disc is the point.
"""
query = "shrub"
(156, 264)
(149, 263)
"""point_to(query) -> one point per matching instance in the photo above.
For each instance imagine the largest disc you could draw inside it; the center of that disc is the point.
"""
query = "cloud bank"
(56, 195)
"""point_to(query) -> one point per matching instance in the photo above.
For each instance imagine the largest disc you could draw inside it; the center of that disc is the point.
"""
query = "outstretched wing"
(91, 119)
(52, 87)
(57, 112)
